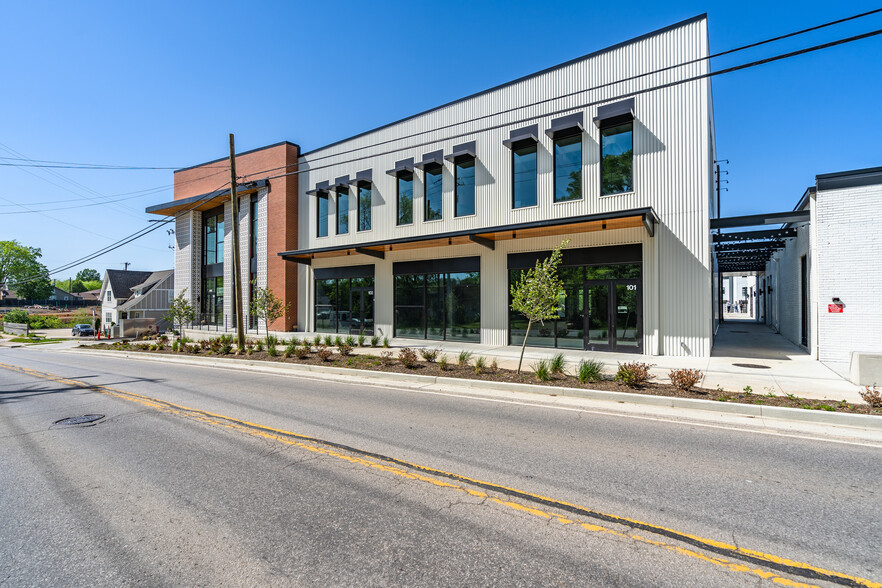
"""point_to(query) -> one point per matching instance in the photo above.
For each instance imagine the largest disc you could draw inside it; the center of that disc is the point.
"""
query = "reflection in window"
(212, 304)
(433, 192)
(617, 159)
(444, 307)
(568, 168)
(524, 179)
(342, 211)
(405, 197)
(464, 180)
(364, 206)
(322, 200)
(345, 305)
(213, 239)
(568, 329)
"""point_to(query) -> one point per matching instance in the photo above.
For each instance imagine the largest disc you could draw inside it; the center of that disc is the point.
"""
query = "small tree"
(180, 311)
(536, 295)
(267, 306)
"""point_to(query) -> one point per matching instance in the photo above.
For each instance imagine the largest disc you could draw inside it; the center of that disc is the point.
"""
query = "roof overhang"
(755, 220)
(204, 202)
(645, 218)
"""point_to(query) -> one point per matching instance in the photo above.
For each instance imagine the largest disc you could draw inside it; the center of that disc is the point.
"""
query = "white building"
(822, 285)
(416, 229)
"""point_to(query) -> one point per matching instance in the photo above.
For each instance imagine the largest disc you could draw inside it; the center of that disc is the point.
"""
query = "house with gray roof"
(136, 299)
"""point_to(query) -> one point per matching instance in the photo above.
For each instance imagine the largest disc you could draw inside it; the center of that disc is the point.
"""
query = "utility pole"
(126, 264)
(237, 274)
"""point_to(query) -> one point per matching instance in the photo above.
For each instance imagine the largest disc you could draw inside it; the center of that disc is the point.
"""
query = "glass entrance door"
(613, 316)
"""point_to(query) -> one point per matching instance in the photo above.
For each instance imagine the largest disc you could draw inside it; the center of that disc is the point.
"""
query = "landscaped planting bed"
(430, 362)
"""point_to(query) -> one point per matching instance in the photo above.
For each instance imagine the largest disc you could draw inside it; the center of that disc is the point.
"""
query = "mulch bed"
(453, 370)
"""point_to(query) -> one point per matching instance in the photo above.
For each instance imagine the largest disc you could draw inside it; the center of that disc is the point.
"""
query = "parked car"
(82, 330)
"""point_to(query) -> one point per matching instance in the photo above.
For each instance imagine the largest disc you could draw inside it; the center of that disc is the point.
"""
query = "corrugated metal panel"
(672, 146)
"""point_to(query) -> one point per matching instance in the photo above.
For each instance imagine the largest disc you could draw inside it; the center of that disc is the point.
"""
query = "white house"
(130, 295)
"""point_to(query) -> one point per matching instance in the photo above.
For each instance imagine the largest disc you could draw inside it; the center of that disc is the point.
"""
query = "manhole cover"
(754, 366)
(740, 331)
(80, 420)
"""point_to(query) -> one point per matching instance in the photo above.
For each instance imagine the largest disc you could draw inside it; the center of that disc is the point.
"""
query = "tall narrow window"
(617, 159)
(405, 197)
(524, 179)
(342, 211)
(322, 208)
(464, 175)
(568, 168)
(433, 192)
(364, 206)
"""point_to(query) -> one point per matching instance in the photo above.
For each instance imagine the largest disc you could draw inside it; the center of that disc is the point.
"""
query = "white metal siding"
(672, 174)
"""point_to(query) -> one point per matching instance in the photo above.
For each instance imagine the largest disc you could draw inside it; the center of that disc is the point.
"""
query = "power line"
(597, 87)
(72, 165)
(577, 107)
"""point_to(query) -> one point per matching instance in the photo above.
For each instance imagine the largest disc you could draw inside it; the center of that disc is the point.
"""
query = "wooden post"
(237, 274)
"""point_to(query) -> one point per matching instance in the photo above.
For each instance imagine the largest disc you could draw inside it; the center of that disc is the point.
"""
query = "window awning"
(366, 176)
(462, 151)
(431, 159)
(341, 182)
(204, 202)
(566, 126)
(522, 137)
(610, 115)
(487, 237)
(400, 166)
(320, 187)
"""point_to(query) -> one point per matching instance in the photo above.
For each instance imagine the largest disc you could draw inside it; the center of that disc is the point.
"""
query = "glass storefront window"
(344, 305)
(441, 307)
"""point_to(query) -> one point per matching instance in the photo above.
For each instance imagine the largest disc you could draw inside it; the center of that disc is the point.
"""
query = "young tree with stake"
(267, 306)
(180, 311)
(536, 295)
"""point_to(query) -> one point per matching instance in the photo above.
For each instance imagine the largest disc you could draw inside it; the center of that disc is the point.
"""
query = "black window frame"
(612, 124)
(322, 195)
(458, 162)
(432, 169)
(368, 186)
(342, 191)
(527, 144)
(398, 180)
(577, 133)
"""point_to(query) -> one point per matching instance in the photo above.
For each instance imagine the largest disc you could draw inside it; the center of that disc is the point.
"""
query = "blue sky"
(162, 84)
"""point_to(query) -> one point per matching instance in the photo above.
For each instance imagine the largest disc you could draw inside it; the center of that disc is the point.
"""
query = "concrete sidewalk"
(746, 353)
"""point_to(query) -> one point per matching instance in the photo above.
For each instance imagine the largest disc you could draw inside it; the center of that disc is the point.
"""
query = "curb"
(750, 410)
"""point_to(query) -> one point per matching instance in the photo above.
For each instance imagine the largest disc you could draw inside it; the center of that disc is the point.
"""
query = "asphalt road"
(194, 478)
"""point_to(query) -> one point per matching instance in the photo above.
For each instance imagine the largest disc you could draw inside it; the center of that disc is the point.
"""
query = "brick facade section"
(281, 211)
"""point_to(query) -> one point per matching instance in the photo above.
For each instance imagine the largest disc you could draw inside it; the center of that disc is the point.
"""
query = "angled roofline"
(240, 155)
(671, 27)
(868, 176)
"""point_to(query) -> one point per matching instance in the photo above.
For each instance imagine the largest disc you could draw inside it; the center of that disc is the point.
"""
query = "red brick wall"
(281, 210)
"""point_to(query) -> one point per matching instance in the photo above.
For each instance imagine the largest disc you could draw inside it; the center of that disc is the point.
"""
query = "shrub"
(324, 354)
(464, 357)
(344, 348)
(386, 357)
(557, 364)
(289, 349)
(271, 348)
(16, 315)
(375, 341)
(480, 365)
(589, 370)
(633, 374)
(873, 397)
(301, 351)
(258, 346)
(328, 340)
(443, 363)
(361, 340)
(430, 355)
(683, 379)
(350, 340)
(385, 341)
(295, 341)
(494, 366)
(175, 345)
(271, 339)
(542, 370)
(317, 340)
(408, 357)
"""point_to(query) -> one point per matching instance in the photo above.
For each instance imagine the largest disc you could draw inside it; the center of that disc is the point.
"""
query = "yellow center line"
(324, 448)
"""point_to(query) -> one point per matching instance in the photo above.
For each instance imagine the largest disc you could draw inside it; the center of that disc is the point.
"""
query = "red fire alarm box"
(835, 307)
